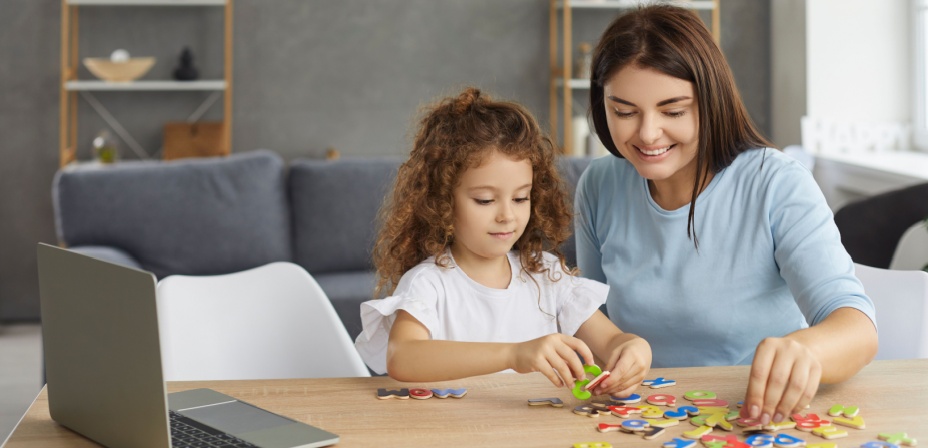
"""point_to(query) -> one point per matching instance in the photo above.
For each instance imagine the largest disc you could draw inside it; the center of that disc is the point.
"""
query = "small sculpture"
(186, 71)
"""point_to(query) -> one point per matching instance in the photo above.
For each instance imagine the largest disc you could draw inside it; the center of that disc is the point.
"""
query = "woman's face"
(653, 120)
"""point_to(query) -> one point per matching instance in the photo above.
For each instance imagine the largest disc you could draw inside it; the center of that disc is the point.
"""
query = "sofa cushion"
(190, 216)
(335, 205)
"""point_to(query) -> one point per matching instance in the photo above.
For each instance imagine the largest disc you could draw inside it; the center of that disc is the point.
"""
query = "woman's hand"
(628, 364)
(555, 356)
(784, 377)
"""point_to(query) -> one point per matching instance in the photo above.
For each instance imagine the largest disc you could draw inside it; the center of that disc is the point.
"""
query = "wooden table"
(892, 396)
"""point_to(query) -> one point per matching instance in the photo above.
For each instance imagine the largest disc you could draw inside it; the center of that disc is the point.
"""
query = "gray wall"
(308, 75)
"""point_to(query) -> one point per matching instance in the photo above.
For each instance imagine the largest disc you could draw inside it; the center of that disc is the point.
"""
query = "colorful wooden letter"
(679, 443)
(658, 383)
(897, 438)
(384, 394)
(445, 393)
(631, 399)
(662, 400)
(840, 409)
(555, 402)
(579, 389)
(699, 394)
(421, 394)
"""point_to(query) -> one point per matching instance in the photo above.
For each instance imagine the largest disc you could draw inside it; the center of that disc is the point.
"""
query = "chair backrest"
(272, 321)
(912, 251)
(901, 300)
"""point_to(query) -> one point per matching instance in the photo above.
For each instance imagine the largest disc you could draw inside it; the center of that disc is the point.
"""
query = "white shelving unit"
(71, 87)
(560, 28)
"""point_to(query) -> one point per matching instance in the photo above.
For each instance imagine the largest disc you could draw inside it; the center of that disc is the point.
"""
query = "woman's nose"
(650, 130)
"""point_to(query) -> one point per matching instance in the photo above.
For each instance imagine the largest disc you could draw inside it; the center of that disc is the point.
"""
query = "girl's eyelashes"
(675, 113)
(490, 201)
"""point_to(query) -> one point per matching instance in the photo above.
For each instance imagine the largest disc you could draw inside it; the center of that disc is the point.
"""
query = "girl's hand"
(628, 364)
(555, 356)
(784, 377)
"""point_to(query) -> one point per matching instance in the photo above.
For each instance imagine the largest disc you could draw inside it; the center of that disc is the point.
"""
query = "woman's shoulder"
(608, 164)
(769, 166)
(606, 173)
(769, 161)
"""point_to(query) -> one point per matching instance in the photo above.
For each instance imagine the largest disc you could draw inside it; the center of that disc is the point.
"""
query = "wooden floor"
(20, 372)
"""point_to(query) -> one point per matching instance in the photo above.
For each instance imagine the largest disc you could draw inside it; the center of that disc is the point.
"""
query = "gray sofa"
(222, 215)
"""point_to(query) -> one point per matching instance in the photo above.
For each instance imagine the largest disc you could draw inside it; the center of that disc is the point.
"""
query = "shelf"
(574, 83)
(97, 85)
(146, 2)
(620, 4)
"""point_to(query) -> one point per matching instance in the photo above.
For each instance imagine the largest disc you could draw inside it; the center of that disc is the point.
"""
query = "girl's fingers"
(563, 370)
(551, 374)
(568, 352)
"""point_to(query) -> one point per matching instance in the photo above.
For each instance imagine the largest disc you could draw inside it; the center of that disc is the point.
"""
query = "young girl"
(468, 254)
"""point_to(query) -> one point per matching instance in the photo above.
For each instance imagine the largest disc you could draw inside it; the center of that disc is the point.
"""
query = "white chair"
(901, 300)
(912, 251)
(272, 321)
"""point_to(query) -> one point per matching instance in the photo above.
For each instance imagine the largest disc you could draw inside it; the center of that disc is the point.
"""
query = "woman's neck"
(676, 192)
(490, 272)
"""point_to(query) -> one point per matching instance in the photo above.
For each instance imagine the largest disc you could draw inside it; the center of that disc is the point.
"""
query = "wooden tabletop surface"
(892, 397)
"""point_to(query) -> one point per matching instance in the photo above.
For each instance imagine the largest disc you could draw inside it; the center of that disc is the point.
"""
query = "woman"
(718, 249)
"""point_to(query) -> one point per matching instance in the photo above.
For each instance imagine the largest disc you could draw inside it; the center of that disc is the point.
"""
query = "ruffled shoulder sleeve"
(577, 297)
(417, 293)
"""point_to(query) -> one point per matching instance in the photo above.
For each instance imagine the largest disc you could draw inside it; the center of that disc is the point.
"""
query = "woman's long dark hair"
(675, 41)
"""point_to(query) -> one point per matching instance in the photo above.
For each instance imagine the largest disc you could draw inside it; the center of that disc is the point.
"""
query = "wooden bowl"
(125, 71)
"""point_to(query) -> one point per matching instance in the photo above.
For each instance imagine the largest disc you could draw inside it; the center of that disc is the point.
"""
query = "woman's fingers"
(784, 379)
(757, 382)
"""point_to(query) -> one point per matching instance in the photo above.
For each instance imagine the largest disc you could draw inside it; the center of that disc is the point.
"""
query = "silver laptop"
(103, 367)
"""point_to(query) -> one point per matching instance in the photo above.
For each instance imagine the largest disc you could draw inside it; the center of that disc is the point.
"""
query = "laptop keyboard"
(189, 433)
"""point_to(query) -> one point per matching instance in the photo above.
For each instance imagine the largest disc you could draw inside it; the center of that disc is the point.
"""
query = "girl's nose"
(505, 212)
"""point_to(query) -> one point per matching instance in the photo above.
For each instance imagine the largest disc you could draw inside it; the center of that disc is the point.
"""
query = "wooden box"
(201, 139)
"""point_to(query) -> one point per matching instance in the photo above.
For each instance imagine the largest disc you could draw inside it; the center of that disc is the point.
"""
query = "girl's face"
(491, 208)
(653, 120)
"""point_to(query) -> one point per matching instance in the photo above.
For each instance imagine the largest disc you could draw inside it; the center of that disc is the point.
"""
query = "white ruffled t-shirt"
(454, 307)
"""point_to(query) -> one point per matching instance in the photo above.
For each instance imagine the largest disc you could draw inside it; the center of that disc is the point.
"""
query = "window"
(920, 60)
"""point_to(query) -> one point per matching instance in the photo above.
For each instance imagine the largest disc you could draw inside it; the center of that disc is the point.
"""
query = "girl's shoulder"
(425, 275)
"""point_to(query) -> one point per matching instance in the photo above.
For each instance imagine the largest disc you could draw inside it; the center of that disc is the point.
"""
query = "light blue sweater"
(770, 259)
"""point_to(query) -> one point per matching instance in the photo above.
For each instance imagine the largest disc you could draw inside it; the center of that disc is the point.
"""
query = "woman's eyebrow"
(660, 103)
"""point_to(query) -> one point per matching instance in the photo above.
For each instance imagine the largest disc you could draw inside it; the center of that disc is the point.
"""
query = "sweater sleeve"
(808, 250)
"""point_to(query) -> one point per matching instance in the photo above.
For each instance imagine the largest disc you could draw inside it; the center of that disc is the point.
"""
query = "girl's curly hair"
(453, 135)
